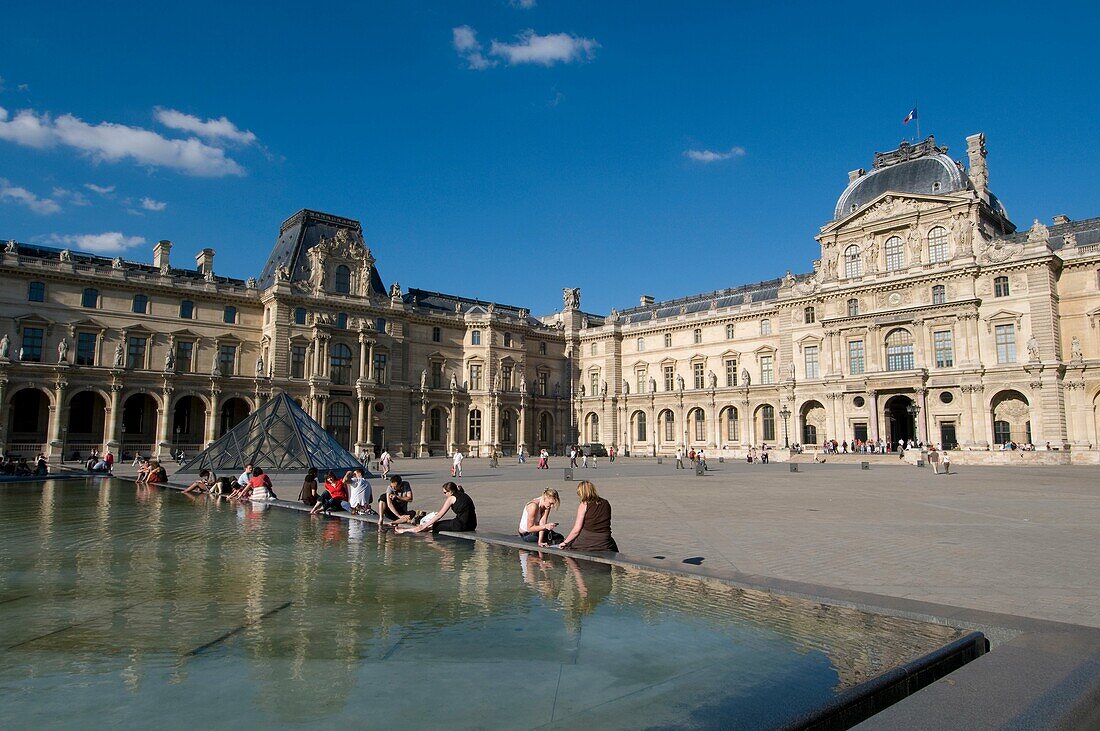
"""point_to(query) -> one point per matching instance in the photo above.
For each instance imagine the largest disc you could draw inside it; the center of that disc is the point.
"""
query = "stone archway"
(900, 424)
(592, 428)
(139, 425)
(87, 425)
(234, 411)
(812, 423)
(28, 422)
(1011, 413)
(188, 424)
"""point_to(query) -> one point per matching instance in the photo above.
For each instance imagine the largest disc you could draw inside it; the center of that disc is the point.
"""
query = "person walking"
(456, 464)
(611, 455)
(384, 463)
(679, 458)
(934, 459)
(945, 458)
(573, 457)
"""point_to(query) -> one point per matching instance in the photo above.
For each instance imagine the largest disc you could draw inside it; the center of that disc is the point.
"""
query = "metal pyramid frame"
(280, 437)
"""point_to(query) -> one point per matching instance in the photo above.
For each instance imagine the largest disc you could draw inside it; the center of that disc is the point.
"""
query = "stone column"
(114, 420)
(164, 435)
(58, 413)
(370, 361)
(522, 422)
(716, 432)
(423, 447)
(212, 419)
(922, 417)
(452, 427)
(874, 415)
(315, 365)
(360, 418)
(3, 419)
(370, 425)
(322, 410)
(363, 356)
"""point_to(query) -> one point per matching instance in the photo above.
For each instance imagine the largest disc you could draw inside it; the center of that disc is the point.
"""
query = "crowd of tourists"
(870, 446)
(18, 466)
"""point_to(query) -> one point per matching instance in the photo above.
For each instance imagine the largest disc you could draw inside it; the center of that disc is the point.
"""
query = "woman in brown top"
(592, 530)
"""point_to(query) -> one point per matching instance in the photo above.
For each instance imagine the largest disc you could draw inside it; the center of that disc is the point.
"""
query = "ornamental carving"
(807, 286)
(1038, 233)
(998, 251)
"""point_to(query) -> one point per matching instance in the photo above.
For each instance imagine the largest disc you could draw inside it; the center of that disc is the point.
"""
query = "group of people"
(100, 463)
(693, 456)
(587, 460)
(591, 528)
(150, 472)
(18, 466)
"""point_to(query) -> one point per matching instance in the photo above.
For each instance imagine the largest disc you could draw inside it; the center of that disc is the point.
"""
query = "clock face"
(894, 299)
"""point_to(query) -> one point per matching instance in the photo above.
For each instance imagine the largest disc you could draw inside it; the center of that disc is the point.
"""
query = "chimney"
(646, 300)
(205, 261)
(1060, 219)
(160, 254)
(979, 172)
(856, 174)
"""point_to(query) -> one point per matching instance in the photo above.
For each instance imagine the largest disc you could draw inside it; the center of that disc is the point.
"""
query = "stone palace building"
(928, 316)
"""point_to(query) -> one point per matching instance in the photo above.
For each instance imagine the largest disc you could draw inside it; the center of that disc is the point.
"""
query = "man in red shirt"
(110, 460)
(335, 495)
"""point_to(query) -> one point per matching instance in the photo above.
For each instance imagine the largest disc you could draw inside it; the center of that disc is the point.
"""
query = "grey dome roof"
(932, 174)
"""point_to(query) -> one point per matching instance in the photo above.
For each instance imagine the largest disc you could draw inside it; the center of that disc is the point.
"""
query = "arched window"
(437, 334)
(899, 350)
(668, 340)
(342, 281)
(593, 428)
(90, 298)
(697, 336)
(338, 423)
(1000, 286)
(729, 332)
(853, 262)
(765, 327)
(475, 425)
(300, 316)
(767, 422)
(939, 294)
(853, 307)
(641, 344)
(342, 321)
(475, 337)
(36, 292)
(340, 364)
(732, 433)
(937, 245)
(809, 315)
(700, 425)
(640, 429)
(895, 254)
(229, 316)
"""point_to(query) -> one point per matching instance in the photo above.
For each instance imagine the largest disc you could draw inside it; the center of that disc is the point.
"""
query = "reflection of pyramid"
(279, 437)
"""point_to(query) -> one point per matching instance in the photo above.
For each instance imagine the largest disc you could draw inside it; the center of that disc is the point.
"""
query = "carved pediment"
(888, 205)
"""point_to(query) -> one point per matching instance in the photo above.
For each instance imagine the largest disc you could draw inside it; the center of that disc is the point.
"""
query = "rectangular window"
(731, 372)
(32, 345)
(855, 357)
(437, 375)
(380, 367)
(767, 370)
(475, 377)
(594, 383)
(506, 378)
(811, 358)
(700, 378)
(36, 292)
(227, 359)
(185, 356)
(945, 348)
(669, 427)
(297, 361)
(1006, 343)
(542, 384)
(639, 381)
(85, 349)
(135, 353)
(437, 334)
(595, 349)
(542, 348)
(670, 377)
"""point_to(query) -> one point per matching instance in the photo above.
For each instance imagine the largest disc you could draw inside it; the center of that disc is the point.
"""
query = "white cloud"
(112, 142)
(545, 50)
(105, 243)
(524, 4)
(23, 197)
(151, 205)
(74, 197)
(101, 189)
(464, 39)
(210, 129)
(708, 156)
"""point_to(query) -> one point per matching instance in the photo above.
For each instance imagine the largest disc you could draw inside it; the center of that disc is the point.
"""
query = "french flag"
(910, 116)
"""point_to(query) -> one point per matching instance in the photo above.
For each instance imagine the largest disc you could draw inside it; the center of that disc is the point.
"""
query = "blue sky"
(539, 145)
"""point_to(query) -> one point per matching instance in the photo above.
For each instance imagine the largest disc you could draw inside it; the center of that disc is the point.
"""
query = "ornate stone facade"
(927, 316)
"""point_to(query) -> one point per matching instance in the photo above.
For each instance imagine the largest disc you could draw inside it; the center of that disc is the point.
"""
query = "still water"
(129, 607)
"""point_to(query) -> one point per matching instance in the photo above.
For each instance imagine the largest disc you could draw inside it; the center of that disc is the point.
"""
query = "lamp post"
(786, 414)
(914, 410)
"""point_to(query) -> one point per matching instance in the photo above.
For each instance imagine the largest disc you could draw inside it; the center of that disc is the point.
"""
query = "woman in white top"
(359, 492)
(534, 524)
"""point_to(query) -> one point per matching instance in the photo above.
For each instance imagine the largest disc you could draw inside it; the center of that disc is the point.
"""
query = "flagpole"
(917, 110)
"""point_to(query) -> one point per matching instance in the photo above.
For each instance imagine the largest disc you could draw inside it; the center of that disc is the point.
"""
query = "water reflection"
(282, 605)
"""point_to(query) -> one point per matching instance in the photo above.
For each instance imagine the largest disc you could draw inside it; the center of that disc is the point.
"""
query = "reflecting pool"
(134, 607)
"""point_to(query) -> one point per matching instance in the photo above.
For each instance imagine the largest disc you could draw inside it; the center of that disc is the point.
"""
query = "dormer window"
(475, 337)
(936, 187)
(342, 280)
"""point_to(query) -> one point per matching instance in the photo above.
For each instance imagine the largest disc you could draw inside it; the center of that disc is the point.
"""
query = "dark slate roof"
(35, 251)
(455, 304)
(759, 292)
(932, 175)
(1085, 231)
(299, 234)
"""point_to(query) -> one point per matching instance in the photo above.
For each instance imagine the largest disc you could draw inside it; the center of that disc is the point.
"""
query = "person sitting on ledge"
(534, 521)
(243, 483)
(156, 474)
(22, 469)
(394, 504)
(259, 487)
(205, 483)
(359, 491)
(592, 529)
(308, 494)
(335, 495)
(143, 471)
(457, 500)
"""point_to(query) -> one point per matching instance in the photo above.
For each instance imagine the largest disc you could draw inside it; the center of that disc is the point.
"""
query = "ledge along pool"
(134, 607)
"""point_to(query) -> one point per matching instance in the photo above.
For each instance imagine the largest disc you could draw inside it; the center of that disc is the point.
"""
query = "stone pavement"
(1019, 540)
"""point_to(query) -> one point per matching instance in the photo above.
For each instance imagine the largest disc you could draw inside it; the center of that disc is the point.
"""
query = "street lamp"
(786, 414)
(914, 410)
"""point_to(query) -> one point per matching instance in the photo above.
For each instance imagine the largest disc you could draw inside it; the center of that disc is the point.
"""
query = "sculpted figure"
(423, 379)
(1074, 348)
(169, 361)
(626, 388)
(571, 298)
(11, 247)
(282, 274)
(653, 385)
(603, 388)
(395, 290)
(1033, 348)
(454, 381)
(679, 382)
(66, 255)
(712, 379)
(914, 244)
(119, 355)
(523, 383)
(216, 369)
(582, 390)
(260, 366)
(63, 350)
(745, 380)
(5, 346)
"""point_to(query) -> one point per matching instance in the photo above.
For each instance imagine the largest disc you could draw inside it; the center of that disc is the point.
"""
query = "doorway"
(378, 436)
(948, 440)
(899, 422)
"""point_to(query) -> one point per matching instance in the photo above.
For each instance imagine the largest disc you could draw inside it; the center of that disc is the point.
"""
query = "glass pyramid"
(279, 437)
